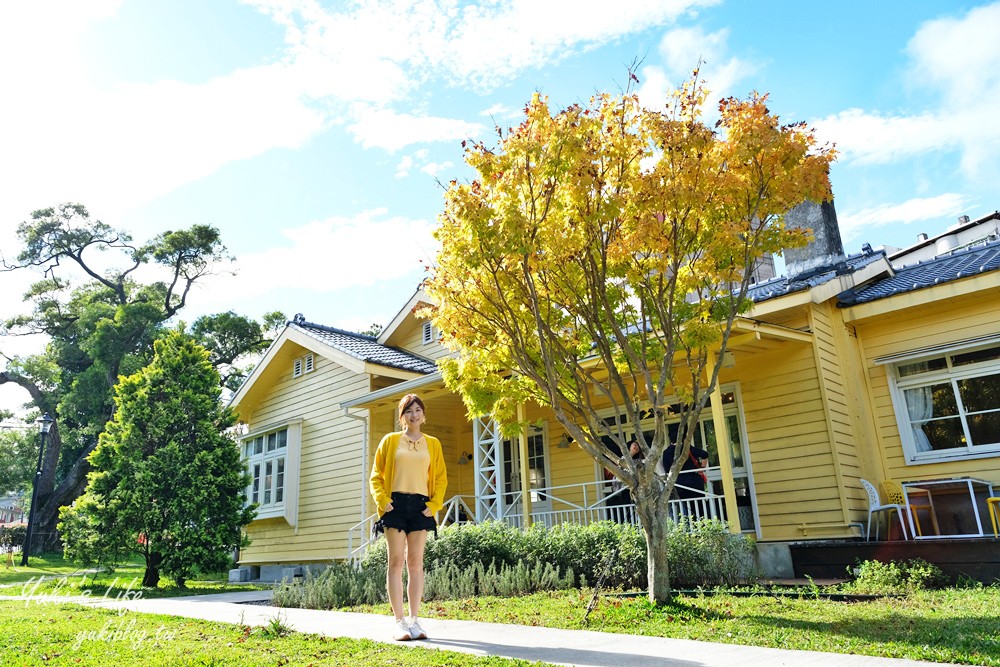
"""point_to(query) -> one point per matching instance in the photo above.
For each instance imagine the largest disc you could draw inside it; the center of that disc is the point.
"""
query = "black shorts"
(407, 514)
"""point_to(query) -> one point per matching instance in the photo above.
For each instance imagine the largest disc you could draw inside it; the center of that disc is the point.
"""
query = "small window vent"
(428, 333)
(309, 367)
(297, 368)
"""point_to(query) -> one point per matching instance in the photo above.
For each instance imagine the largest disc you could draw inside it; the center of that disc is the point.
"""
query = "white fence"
(591, 505)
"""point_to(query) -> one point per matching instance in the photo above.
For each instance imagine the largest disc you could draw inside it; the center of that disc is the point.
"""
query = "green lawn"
(51, 575)
(48, 565)
(956, 625)
(959, 626)
(37, 634)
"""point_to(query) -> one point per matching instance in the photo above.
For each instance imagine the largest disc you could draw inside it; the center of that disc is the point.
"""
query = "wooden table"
(964, 491)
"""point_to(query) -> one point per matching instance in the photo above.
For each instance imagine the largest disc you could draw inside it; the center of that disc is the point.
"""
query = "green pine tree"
(167, 479)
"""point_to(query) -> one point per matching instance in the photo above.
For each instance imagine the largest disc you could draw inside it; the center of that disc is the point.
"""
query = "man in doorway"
(692, 479)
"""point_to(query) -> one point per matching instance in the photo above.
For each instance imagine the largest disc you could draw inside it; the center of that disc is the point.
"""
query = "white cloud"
(501, 111)
(957, 60)
(680, 50)
(491, 43)
(392, 131)
(339, 253)
(116, 147)
(870, 138)
(855, 223)
(435, 168)
(404, 166)
(960, 56)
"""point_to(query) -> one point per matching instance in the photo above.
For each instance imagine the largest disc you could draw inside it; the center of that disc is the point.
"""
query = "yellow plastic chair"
(994, 506)
(892, 492)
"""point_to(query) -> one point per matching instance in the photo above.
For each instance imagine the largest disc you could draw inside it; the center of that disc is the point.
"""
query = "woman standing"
(408, 482)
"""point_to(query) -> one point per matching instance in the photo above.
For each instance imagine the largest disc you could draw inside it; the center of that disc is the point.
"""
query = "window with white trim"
(948, 406)
(427, 333)
(271, 454)
(267, 456)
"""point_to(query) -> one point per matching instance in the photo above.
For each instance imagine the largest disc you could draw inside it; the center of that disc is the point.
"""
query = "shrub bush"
(12, 537)
(339, 585)
(875, 577)
(493, 558)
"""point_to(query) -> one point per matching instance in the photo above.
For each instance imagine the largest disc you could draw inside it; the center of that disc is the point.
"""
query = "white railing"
(360, 533)
(456, 510)
(596, 506)
(593, 506)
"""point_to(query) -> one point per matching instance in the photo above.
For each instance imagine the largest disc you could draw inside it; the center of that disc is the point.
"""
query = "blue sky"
(313, 134)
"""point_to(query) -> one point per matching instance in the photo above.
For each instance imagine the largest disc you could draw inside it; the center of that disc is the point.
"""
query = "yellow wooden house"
(852, 367)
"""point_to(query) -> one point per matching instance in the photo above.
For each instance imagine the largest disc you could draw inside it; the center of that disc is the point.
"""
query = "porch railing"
(457, 510)
(593, 505)
(359, 536)
(596, 506)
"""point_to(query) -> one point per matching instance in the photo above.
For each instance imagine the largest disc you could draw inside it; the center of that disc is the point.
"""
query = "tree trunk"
(152, 575)
(47, 516)
(53, 446)
(653, 515)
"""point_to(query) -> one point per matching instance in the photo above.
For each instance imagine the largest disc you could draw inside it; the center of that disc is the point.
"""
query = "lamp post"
(44, 426)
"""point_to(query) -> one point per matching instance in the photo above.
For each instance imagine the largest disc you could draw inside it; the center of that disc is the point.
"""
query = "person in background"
(620, 503)
(692, 478)
(408, 482)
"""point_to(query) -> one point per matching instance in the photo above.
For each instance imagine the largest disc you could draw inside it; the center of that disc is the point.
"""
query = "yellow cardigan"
(380, 480)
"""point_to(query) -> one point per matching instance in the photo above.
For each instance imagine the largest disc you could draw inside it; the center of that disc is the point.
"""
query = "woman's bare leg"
(396, 541)
(415, 542)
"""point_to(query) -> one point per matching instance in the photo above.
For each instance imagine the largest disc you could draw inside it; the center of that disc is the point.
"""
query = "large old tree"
(101, 309)
(600, 258)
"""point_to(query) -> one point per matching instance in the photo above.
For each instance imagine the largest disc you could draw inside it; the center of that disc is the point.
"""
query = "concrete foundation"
(775, 560)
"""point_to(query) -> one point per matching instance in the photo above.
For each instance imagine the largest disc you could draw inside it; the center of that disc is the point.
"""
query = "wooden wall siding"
(833, 360)
(789, 440)
(330, 482)
(411, 338)
(954, 320)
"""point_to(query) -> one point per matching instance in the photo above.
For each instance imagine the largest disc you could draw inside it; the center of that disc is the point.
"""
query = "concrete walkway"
(565, 647)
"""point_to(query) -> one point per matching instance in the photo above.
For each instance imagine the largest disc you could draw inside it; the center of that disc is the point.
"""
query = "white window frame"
(258, 458)
(427, 333)
(541, 432)
(949, 374)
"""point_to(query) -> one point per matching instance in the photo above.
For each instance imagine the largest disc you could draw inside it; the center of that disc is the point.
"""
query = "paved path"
(564, 647)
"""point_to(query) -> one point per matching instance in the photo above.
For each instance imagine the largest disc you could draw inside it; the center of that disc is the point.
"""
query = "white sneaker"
(416, 631)
(402, 633)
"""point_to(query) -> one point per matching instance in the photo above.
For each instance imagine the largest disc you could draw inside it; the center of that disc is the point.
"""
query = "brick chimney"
(826, 249)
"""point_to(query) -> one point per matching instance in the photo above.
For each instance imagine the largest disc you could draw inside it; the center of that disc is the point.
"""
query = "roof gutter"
(364, 460)
(392, 390)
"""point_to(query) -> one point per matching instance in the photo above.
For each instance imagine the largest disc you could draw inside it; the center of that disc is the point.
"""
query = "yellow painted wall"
(789, 440)
(330, 483)
(834, 363)
(409, 336)
(948, 321)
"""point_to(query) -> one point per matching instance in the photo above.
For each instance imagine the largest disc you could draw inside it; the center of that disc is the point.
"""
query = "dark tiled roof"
(953, 266)
(783, 285)
(365, 347)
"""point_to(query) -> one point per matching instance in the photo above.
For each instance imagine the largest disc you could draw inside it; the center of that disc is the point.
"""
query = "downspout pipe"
(364, 460)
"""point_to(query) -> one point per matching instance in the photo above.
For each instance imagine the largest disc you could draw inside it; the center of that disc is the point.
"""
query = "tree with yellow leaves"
(600, 258)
